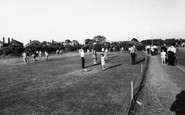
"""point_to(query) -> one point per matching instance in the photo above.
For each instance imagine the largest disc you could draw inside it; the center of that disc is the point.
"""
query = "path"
(163, 83)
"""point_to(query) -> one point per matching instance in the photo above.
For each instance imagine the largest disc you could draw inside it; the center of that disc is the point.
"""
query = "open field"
(60, 86)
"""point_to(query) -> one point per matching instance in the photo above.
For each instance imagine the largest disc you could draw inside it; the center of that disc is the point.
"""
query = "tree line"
(96, 43)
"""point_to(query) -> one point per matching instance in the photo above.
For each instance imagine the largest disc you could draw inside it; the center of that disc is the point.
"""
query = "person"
(165, 50)
(148, 49)
(34, 55)
(178, 106)
(94, 57)
(37, 53)
(46, 55)
(82, 55)
(106, 54)
(102, 49)
(129, 48)
(133, 54)
(88, 51)
(40, 53)
(61, 51)
(103, 61)
(27, 56)
(57, 52)
(171, 55)
(163, 56)
(122, 49)
(24, 57)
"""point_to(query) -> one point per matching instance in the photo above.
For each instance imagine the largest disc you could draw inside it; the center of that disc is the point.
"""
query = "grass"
(60, 86)
(181, 56)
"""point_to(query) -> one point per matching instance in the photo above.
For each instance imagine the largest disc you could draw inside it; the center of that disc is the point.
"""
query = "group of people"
(152, 49)
(59, 52)
(94, 58)
(168, 55)
(26, 56)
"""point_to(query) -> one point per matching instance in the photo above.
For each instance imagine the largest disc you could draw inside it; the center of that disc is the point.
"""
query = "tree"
(100, 39)
(33, 46)
(67, 41)
(89, 41)
(75, 42)
(134, 40)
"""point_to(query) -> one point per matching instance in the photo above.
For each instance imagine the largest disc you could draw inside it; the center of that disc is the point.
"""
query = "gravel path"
(160, 89)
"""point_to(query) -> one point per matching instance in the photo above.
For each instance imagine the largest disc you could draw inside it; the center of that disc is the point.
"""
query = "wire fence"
(136, 87)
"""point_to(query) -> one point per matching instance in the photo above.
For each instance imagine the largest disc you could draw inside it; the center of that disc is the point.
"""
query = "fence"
(136, 88)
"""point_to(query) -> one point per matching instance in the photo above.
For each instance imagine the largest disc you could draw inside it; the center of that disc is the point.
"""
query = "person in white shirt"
(133, 54)
(46, 55)
(163, 56)
(82, 55)
(148, 49)
(24, 57)
(102, 49)
(103, 61)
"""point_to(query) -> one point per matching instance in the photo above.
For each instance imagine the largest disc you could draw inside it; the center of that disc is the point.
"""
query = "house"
(1, 44)
(16, 43)
(13, 42)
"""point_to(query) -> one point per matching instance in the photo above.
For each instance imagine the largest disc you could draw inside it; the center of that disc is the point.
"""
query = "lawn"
(60, 86)
(181, 56)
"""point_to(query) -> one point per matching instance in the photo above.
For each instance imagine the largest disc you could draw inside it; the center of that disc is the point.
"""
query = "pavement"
(163, 83)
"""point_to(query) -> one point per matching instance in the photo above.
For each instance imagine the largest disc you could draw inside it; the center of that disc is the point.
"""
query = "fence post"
(132, 92)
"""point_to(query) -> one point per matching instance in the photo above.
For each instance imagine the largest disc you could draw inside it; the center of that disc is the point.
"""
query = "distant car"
(154, 50)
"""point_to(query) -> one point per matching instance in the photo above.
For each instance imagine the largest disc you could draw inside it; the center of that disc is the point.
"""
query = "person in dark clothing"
(171, 55)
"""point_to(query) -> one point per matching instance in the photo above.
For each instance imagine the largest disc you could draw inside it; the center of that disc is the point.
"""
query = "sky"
(117, 20)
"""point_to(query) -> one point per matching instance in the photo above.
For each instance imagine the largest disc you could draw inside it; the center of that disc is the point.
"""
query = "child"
(46, 55)
(163, 56)
(103, 61)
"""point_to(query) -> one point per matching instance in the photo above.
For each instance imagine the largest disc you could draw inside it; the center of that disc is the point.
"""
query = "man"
(82, 55)
(148, 49)
(133, 54)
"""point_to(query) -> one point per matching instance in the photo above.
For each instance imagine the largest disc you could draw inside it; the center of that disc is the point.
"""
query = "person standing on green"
(82, 55)
(133, 54)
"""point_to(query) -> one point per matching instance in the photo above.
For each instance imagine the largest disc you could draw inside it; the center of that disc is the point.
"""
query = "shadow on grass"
(112, 57)
(112, 67)
(140, 61)
(93, 65)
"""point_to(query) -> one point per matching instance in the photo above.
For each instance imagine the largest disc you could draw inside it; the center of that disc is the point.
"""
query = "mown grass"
(180, 55)
(60, 86)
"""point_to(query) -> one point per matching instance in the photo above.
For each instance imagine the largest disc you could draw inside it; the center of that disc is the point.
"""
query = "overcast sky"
(117, 20)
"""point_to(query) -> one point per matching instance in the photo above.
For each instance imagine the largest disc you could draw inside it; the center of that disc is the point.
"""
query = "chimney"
(3, 40)
(12, 39)
(8, 40)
